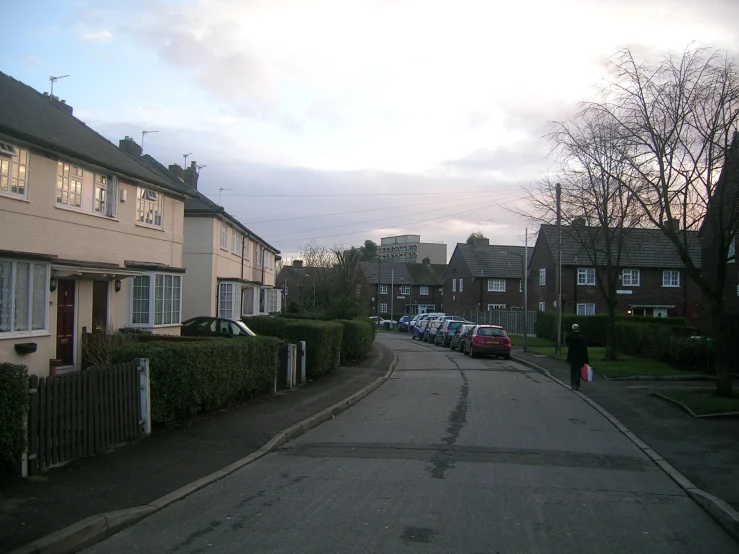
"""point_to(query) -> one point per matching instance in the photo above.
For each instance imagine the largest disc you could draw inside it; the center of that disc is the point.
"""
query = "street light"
(525, 294)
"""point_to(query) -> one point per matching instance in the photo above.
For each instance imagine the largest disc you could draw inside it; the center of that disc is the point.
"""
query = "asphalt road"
(449, 455)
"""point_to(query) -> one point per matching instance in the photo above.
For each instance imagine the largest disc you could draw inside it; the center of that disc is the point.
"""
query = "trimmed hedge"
(13, 413)
(357, 338)
(323, 339)
(191, 377)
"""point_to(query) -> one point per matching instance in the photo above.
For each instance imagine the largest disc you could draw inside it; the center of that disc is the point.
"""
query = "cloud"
(104, 36)
(30, 60)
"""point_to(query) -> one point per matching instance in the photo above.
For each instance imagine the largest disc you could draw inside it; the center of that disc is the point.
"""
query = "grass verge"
(702, 401)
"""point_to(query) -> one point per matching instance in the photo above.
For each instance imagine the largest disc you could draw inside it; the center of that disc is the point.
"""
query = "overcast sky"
(337, 121)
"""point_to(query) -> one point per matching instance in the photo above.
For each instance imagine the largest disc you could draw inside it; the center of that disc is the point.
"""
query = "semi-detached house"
(91, 237)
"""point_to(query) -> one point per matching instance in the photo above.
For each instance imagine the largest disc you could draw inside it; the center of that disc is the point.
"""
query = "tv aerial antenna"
(54, 80)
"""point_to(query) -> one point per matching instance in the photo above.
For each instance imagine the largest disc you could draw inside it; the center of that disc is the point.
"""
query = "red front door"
(65, 321)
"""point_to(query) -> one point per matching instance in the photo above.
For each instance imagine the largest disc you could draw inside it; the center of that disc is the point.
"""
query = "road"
(449, 455)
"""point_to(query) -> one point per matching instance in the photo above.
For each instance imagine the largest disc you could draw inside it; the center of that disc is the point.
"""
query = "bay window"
(156, 299)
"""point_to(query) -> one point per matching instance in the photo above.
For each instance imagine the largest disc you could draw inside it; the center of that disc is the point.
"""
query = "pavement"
(80, 503)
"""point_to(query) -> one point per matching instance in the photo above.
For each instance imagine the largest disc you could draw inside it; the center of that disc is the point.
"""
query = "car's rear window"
(455, 324)
(491, 332)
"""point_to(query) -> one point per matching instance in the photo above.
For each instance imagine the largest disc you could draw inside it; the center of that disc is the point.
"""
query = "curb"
(691, 412)
(720, 511)
(96, 528)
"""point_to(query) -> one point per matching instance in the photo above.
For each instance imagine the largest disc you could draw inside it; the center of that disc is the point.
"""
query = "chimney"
(178, 171)
(191, 175)
(482, 243)
(297, 264)
(129, 146)
(60, 104)
(426, 261)
(673, 224)
(578, 222)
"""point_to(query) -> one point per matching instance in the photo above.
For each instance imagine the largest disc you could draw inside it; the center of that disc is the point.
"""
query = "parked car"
(403, 323)
(457, 340)
(419, 329)
(429, 334)
(413, 321)
(381, 322)
(446, 331)
(488, 339)
(207, 326)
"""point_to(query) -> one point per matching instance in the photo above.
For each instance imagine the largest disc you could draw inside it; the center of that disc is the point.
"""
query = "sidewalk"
(171, 461)
(705, 451)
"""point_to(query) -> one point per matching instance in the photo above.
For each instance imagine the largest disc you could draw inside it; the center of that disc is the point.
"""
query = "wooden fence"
(85, 413)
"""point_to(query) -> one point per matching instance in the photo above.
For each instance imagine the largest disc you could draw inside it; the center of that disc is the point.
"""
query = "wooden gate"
(81, 414)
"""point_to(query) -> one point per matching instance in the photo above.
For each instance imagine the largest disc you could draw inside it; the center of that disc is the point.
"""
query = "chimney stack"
(426, 261)
(297, 264)
(129, 146)
(60, 104)
(191, 175)
(178, 171)
(482, 243)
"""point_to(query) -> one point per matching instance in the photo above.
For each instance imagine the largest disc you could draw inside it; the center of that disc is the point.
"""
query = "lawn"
(517, 340)
(702, 401)
(625, 366)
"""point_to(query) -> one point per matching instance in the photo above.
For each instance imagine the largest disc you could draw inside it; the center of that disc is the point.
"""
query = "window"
(383, 289)
(405, 289)
(13, 170)
(235, 242)
(224, 236)
(454, 285)
(258, 255)
(229, 300)
(670, 278)
(247, 249)
(460, 285)
(542, 276)
(496, 307)
(423, 291)
(106, 193)
(520, 285)
(586, 309)
(69, 185)
(158, 304)
(23, 296)
(496, 285)
(586, 276)
(274, 300)
(542, 306)
(149, 207)
(630, 278)
(383, 308)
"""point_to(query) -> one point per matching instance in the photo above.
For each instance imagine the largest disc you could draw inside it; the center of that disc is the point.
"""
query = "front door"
(99, 306)
(65, 321)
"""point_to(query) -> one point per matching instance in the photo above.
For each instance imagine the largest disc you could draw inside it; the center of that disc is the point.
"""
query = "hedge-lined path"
(706, 451)
(137, 474)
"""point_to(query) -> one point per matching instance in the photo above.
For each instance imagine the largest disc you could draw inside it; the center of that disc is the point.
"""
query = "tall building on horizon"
(409, 248)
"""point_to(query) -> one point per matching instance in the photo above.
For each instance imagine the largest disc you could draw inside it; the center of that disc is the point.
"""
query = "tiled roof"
(401, 273)
(495, 260)
(642, 247)
(29, 116)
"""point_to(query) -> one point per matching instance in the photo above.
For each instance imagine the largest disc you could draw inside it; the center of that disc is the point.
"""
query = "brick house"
(406, 288)
(652, 279)
(484, 277)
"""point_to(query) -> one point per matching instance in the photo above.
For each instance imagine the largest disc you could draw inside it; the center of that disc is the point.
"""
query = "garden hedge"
(191, 377)
(356, 339)
(13, 413)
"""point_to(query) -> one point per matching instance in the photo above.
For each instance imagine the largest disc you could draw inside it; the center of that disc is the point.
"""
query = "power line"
(352, 195)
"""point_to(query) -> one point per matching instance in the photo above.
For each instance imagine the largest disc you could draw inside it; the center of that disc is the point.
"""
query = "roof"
(642, 247)
(723, 207)
(401, 273)
(29, 116)
(495, 260)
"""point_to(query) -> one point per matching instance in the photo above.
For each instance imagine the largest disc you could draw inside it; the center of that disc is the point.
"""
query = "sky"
(330, 122)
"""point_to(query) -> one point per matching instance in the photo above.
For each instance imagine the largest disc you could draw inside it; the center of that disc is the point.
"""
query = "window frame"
(585, 308)
(110, 202)
(223, 237)
(542, 306)
(405, 289)
(383, 289)
(158, 304)
(33, 287)
(235, 240)
(632, 282)
(454, 285)
(10, 164)
(461, 287)
(64, 181)
(234, 307)
(383, 308)
(674, 283)
(584, 275)
(494, 285)
(423, 290)
(247, 248)
(542, 276)
(149, 202)
(492, 307)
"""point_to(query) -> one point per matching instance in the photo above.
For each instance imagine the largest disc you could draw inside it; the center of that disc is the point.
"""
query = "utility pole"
(559, 269)
(392, 294)
(525, 289)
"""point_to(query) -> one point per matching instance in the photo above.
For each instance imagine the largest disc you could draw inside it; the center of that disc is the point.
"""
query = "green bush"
(356, 339)
(13, 413)
(191, 377)
(323, 339)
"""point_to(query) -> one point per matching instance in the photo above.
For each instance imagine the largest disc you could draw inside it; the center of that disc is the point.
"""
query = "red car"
(487, 340)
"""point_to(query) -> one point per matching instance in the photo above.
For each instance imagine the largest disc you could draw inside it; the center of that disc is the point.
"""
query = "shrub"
(187, 378)
(356, 339)
(13, 413)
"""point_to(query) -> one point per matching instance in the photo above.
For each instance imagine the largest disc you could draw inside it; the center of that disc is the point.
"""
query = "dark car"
(457, 340)
(403, 323)
(488, 340)
(206, 326)
(446, 332)
(419, 328)
(429, 334)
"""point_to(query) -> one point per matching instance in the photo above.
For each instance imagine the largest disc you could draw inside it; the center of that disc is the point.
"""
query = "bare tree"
(598, 208)
(316, 291)
(674, 118)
